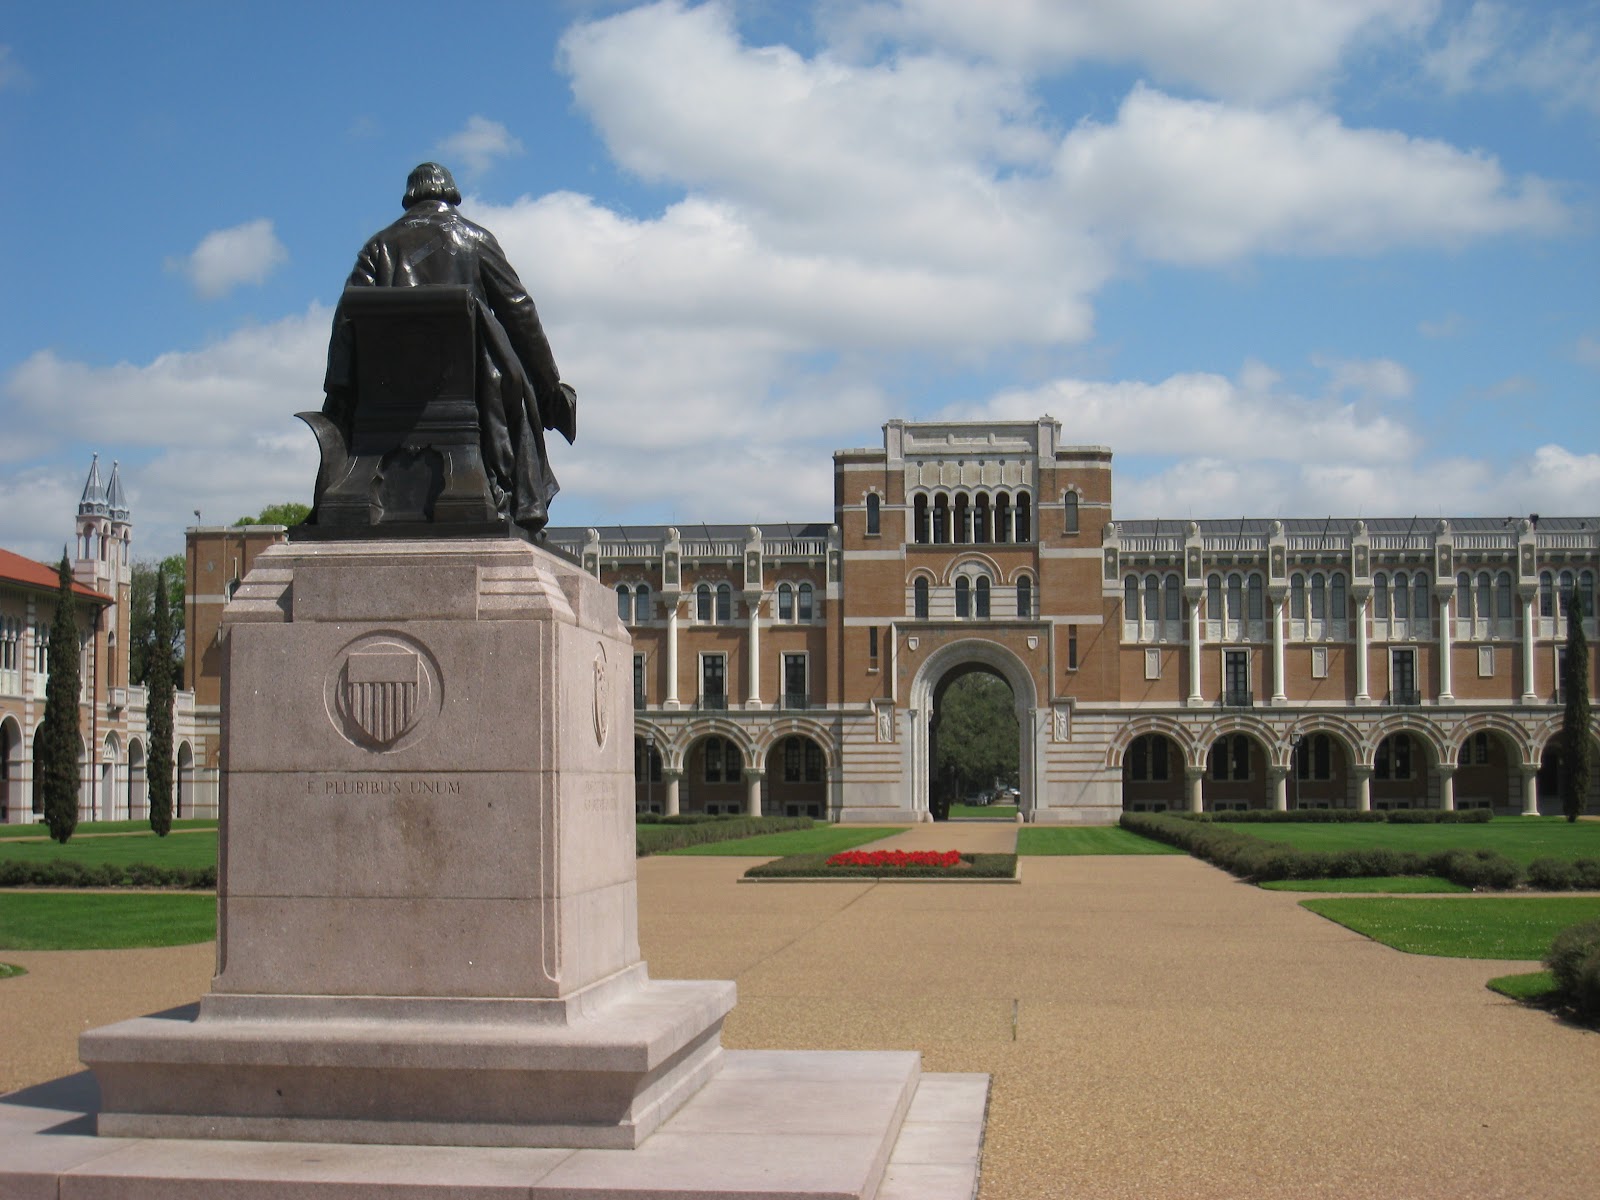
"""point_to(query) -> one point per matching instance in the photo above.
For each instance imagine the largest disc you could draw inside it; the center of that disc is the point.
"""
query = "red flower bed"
(896, 858)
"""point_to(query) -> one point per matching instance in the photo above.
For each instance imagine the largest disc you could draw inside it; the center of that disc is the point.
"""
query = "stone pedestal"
(427, 905)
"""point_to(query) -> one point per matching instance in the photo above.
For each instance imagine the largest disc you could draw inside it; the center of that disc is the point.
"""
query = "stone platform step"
(796, 1125)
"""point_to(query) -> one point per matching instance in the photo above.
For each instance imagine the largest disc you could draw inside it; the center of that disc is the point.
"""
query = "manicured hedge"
(673, 833)
(1347, 816)
(1258, 860)
(68, 873)
(1574, 960)
(815, 866)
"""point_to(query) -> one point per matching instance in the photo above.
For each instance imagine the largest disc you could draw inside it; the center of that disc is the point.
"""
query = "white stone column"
(1528, 696)
(671, 700)
(1194, 651)
(1530, 791)
(1279, 695)
(753, 700)
(1363, 789)
(1447, 787)
(752, 792)
(1280, 787)
(1445, 647)
(670, 808)
(1363, 690)
(1194, 779)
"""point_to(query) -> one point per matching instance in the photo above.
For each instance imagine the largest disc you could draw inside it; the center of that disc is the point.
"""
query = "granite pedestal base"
(772, 1125)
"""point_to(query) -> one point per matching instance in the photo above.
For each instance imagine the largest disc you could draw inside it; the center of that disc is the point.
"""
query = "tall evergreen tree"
(1577, 745)
(158, 709)
(57, 750)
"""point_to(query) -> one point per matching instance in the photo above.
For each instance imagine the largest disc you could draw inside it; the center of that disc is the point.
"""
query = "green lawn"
(104, 921)
(10, 970)
(984, 812)
(95, 828)
(1534, 986)
(1373, 883)
(196, 849)
(1086, 839)
(823, 839)
(1491, 927)
(1521, 839)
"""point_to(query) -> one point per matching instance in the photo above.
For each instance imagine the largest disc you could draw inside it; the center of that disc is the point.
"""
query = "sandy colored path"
(1178, 1034)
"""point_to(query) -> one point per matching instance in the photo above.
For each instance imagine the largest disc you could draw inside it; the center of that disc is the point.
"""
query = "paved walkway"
(1176, 1034)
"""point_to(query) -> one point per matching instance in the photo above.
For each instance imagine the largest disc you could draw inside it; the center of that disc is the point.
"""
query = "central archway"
(943, 667)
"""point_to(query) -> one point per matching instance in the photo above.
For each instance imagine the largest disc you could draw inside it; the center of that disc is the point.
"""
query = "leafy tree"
(158, 709)
(142, 614)
(57, 749)
(977, 733)
(290, 512)
(1577, 747)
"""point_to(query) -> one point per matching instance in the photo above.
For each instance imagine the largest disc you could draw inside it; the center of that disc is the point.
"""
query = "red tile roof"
(16, 569)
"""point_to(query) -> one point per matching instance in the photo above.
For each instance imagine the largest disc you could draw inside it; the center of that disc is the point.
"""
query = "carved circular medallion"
(602, 697)
(382, 691)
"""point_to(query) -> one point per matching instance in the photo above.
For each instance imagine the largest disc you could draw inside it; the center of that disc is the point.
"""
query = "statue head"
(430, 181)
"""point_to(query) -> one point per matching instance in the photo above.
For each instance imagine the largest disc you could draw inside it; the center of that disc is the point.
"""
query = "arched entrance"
(1152, 774)
(1552, 775)
(183, 778)
(943, 667)
(1488, 772)
(138, 781)
(797, 778)
(1236, 775)
(1320, 775)
(10, 771)
(109, 753)
(1400, 770)
(713, 777)
(649, 791)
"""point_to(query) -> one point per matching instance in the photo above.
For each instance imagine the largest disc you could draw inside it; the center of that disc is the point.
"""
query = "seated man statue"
(517, 389)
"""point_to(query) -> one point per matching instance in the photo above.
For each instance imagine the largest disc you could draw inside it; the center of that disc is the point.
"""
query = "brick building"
(112, 732)
(1154, 664)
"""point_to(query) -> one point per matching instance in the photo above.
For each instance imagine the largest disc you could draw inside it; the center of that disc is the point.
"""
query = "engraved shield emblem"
(381, 690)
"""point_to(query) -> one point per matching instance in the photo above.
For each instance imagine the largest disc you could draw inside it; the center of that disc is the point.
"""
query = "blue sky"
(1285, 257)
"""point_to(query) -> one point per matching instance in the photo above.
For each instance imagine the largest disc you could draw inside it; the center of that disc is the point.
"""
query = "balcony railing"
(794, 700)
(1399, 697)
(1238, 698)
(639, 700)
(712, 703)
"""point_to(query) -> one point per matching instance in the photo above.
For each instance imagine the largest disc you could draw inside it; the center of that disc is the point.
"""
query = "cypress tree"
(158, 710)
(57, 751)
(1577, 747)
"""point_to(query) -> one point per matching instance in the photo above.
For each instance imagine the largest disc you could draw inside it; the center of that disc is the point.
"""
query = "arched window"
(1547, 594)
(702, 602)
(1565, 587)
(1586, 590)
(1380, 595)
(1402, 595)
(941, 519)
(982, 531)
(963, 519)
(1130, 598)
(785, 602)
(1002, 517)
(1214, 598)
(1464, 597)
(963, 597)
(982, 598)
(1420, 597)
(1485, 594)
(1319, 596)
(803, 595)
(1393, 759)
(1338, 604)
(1255, 598)
(1024, 596)
(919, 520)
(872, 512)
(1174, 599)
(1152, 599)
(1235, 596)
(624, 602)
(919, 598)
(1024, 517)
(1502, 597)
(1297, 596)
(724, 602)
(1069, 518)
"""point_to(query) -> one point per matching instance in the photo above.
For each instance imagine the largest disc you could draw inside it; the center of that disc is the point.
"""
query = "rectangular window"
(872, 647)
(1152, 664)
(1403, 677)
(1236, 678)
(638, 681)
(713, 681)
(1485, 662)
(795, 690)
(1072, 647)
(1319, 662)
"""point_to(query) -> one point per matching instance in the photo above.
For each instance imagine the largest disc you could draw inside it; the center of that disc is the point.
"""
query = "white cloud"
(1367, 379)
(480, 143)
(1244, 49)
(225, 258)
(1452, 324)
(1495, 47)
(1200, 183)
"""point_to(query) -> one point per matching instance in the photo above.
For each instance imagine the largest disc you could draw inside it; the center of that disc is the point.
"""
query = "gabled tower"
(104, 561)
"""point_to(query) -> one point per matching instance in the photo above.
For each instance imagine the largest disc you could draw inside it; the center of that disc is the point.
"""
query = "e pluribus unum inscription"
(384, 785)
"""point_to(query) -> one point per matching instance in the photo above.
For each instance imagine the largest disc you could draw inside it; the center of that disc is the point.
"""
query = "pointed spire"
(93, 502)
(115, 500)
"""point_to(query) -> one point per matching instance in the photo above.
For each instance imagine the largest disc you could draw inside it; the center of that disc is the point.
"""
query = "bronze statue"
(439, 391)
